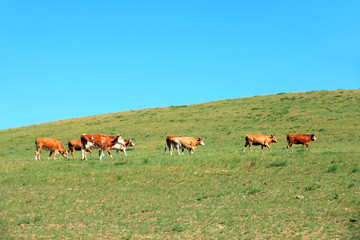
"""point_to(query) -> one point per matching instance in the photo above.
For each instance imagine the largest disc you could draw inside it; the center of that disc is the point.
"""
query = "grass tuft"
(332, 169)
(282, 163)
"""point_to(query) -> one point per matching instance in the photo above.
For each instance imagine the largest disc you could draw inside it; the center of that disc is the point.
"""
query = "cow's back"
(49, 143)
(76, 144)
(187, 141)
(256, 139)
(296, 138)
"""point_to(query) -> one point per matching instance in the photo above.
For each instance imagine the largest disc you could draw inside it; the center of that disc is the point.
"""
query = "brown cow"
(103, 142)
(263, 140)
(118, 147)
(182, 143)
(75, 145)
(303, 139)
(49, 144)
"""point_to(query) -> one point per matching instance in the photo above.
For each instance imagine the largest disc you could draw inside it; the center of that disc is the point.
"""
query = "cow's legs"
(37, 155)
(177, 148)
(101, 153)
(171, 149)
(83, 154)
(268, 146)
(307, 145)
(250, 145)
(109, 152)
(51, 152)
(246, 144)
(89, 150)
(191, 150)
(289, 146)
(125, 152)
(72, 152)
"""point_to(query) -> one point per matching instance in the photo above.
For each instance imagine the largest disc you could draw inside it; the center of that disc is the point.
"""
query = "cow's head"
(65, 154)
(273, 138)
(201, 141)
(313, 138)
(130, 143)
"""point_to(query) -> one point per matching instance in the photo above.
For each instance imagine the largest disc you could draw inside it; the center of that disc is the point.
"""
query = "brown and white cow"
(75, 145)
(263, 140)
(189, 143)
(118, 147)
(49, 144)
(103, 142)
(303, 139)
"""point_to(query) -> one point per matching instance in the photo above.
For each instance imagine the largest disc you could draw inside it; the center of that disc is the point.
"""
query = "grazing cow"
(75, 145)
(263, 140)
(303, 139)
(182, 143)
(99, 141)
(49, 144)
(118, 147)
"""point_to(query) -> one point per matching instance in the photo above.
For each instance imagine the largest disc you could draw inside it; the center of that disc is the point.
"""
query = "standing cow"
(303, 139)
(189, 143)
(103, 142)
(49, 144)
(263, 140)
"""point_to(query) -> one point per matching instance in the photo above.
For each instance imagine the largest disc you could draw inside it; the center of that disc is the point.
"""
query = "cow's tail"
(287, 138)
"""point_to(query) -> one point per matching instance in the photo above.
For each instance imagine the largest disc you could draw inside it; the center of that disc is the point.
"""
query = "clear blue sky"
(66, 59)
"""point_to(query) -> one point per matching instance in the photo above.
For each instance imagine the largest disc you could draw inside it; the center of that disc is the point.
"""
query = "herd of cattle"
(105, 143)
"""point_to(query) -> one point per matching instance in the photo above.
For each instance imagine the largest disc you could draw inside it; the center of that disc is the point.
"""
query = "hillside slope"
(217, 192)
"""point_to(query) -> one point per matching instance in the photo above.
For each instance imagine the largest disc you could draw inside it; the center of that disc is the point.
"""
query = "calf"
(189, 143)
(122, 148)
(75, 145)
(303, 139)
(263, 140)
(103, 142)
(49, 144)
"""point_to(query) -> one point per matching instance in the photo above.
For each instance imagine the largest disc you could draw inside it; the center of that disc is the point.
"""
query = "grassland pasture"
(219, 192)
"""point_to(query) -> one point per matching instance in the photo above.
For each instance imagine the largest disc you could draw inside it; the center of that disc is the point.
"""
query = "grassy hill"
(219, 192)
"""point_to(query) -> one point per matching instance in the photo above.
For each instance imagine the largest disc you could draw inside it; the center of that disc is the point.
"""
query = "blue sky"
(66, 59)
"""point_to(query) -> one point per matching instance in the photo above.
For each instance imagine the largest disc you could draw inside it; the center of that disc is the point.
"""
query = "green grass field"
(219, 192)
